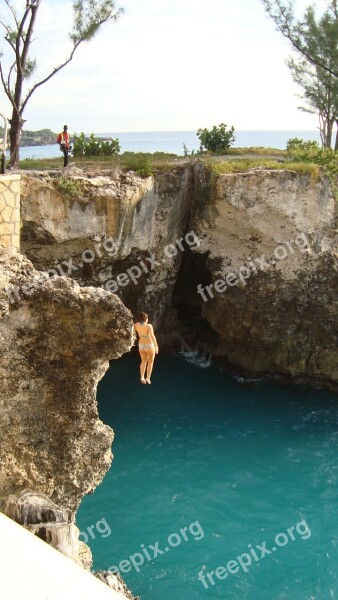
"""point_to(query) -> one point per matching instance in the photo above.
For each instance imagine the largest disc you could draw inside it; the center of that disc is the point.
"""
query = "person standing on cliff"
(64, 140)
(147, 346)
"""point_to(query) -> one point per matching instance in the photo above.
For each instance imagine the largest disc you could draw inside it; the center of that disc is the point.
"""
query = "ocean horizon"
(172, 141)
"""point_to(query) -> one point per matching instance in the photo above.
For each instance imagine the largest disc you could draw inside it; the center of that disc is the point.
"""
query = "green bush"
(301, 151)
(139, 162)
(94, 147)
(69, 188)
(217, 139)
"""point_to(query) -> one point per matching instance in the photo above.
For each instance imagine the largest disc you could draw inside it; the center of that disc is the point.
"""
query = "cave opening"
(194, 328)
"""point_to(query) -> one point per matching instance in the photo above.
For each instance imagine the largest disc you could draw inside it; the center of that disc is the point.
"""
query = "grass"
(245, 164)
(41, 164)
(125, 161)
(145, 162)
(260, 150)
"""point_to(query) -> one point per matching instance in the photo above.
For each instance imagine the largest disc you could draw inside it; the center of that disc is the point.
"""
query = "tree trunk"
(14, 138)
(336, 144)
(329, 133)
(321, 130)
(328, 141)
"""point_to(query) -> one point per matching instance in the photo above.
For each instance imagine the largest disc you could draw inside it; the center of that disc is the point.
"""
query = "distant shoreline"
(172, 141)
(42, 137)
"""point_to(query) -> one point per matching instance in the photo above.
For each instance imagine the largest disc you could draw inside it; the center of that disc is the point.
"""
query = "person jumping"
(147, 346)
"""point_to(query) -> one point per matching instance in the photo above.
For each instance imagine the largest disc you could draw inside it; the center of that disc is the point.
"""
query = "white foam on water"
(194, 357)
(245, 380)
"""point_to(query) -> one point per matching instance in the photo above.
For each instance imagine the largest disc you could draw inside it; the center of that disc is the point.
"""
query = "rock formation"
(270, 234)
(111, 223)
(245, 264)
(276, 232)
(54, 525)
(56, 341)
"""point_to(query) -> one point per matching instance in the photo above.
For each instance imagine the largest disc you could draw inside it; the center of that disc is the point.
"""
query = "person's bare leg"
(143, 365)
(150, 363)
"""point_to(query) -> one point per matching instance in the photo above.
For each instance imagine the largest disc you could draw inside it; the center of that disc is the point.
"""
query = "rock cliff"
(269, 239)
(56, 342)
(244, 263)
(111, 223)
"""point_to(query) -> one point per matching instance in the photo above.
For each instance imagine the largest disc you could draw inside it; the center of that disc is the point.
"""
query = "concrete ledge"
(32, 570)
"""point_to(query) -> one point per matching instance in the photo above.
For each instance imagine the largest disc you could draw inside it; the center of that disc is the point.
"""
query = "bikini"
(145, 345)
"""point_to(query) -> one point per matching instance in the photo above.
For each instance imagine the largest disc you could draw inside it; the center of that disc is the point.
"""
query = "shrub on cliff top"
(139, 162)
(217, 139)
(94, 147)
(302, 151)
(69, 188)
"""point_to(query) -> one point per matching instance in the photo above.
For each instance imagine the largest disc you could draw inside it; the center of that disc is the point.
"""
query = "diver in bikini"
(147, 346)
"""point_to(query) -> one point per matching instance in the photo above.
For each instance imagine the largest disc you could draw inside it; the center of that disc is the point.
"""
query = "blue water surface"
(172, 141)
(236, 464)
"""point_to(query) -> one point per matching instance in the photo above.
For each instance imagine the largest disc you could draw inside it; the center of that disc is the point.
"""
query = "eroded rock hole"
(194, 328)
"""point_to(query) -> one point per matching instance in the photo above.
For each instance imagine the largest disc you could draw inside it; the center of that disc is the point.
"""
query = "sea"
(220, 487)
(172, 141)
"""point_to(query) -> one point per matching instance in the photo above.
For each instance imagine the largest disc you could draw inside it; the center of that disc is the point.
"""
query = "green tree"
(315, 68)
(320, 91)
(89, 16)
(297, 32)
(217, 139)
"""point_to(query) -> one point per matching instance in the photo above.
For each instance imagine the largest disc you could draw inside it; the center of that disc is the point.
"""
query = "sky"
(165, 65)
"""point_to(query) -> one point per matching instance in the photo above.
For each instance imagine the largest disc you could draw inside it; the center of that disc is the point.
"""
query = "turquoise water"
(172, 141)
(212, 468)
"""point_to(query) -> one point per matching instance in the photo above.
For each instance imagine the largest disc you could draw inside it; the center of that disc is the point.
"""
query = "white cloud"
(167, 65)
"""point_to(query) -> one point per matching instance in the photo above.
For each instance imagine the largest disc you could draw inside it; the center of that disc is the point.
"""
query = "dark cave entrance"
(194, 328)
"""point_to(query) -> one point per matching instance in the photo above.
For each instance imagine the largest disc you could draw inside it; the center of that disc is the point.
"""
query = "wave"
(245, 379)
(195, 357)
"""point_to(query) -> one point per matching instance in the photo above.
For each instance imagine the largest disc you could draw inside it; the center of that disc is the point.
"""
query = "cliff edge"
(242, 264)
(55, 347)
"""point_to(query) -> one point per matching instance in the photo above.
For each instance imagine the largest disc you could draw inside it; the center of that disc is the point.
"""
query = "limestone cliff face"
(121, 220)
(56, 341)
(276, 229)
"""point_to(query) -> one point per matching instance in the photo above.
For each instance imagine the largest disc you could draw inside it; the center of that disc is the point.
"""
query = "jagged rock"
(86, 556)
(115, 581)
(56, 340)
(72, 170)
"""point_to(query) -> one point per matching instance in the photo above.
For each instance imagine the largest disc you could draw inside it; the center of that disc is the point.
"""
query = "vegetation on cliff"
(144, 164)
(218, 139)
(92, 146)
(245, 164)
